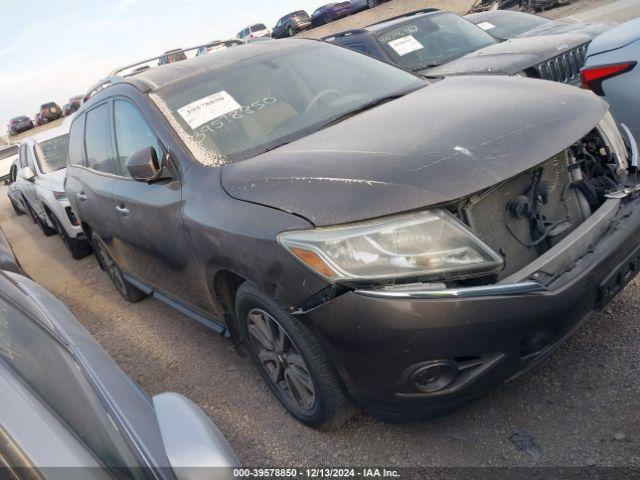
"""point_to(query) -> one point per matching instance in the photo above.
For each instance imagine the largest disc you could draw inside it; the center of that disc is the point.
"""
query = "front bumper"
(378, 339)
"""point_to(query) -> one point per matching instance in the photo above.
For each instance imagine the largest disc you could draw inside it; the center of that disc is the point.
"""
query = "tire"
(30, 210)
(372, 3)
(291, 361)
(290, 32)
(78, 248)
(128, 291)
(15, 208)
(46, 229)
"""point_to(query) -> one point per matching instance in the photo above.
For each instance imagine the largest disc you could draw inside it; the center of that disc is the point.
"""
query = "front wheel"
(291, 361)
(291, 32)
(78, 248)
(16, 208)
(108, 264)
(372, 3)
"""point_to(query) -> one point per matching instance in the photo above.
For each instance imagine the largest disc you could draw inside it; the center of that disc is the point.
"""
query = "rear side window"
(98, 140)
(76, 142)
(132, 133)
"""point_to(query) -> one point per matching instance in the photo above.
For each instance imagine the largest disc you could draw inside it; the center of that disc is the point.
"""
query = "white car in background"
(256, 30)
(8, 154)
(43, 161)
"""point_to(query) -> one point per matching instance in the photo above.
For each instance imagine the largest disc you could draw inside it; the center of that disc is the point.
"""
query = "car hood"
(438, 144)
(509, 57)
(54, 180)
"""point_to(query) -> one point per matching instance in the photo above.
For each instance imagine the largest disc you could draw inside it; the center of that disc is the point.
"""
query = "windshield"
(8, 152)
(49, 105)
(432, 40)
(506, 25)
(260, 103)
(52, 154)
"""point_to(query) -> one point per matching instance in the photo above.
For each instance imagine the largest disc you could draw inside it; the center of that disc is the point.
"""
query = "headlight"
(60, 195)
(609, 130)
(431, 244)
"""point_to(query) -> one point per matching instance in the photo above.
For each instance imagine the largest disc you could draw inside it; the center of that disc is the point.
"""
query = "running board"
(192, 314)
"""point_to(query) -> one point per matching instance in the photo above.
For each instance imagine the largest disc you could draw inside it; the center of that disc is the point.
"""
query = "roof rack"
(140, 66)
(408, 14)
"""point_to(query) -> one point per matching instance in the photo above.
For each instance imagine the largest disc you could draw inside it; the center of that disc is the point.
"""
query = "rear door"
(92, 170)
(150, 215)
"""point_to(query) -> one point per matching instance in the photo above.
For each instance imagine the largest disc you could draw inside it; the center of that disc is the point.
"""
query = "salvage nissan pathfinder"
(371, 237)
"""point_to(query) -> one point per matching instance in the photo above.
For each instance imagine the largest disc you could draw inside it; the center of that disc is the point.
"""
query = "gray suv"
(371, 238)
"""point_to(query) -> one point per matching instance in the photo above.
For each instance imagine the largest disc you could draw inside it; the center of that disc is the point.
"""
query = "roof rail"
(408, 14)
(140, 66)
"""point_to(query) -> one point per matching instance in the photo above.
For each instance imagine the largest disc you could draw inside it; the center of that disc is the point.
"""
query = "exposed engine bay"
(527, 215)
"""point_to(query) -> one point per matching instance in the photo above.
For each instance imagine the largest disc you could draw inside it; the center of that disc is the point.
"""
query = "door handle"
(81, 196)
(122, 210)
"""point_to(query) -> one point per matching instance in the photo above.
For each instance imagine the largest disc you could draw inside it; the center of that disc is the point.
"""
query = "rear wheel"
(78, 248)
(291, 361)
(291, 32)
(16, 208)
(108, 264)
(29, 210)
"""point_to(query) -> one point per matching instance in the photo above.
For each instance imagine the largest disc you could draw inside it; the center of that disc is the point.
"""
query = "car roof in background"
(48, 134)
(158, 77)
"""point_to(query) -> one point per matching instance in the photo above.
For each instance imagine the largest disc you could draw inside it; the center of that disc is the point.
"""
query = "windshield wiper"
(363, 108)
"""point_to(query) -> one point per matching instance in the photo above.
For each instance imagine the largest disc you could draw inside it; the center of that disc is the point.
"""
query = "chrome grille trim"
(565, 67)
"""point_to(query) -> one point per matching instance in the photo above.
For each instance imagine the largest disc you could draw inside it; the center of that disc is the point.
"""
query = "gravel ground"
(580, 407)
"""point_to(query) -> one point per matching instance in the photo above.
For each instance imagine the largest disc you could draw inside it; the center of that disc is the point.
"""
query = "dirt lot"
(580, 407)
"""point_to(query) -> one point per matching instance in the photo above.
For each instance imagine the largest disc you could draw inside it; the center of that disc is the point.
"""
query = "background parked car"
(506, 24)
(438, 44)
(330, 12)
(612, 71)
(50, 111)
(75, 102)
(67, 407)
(359, 5)
(254, 31)
(66, 110)
(218, 45)
(8, 156)
(171, 56)
(19, 124)
(46, 158)
(14, 192)
(291, 24)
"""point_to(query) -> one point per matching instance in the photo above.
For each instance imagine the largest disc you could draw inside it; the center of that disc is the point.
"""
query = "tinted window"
(52, 372)
(432, 40)
(254, 106)
(76, 143)
(49, 105)
(98, 140)
(359, 47)
(257, 27)
(52, 154)
(132, 132)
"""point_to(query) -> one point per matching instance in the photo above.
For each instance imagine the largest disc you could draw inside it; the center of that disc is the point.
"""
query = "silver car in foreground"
(612, 71)
(67, 411)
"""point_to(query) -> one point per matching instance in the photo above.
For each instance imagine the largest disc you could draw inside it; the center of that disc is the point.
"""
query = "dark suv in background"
(406, 265)
(433, 43)
(291, 24)
(19, 124)
(49, 112)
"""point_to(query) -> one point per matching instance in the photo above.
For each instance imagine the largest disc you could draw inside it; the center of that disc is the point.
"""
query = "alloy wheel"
(112, 269)
(281, 360)
(372, 3)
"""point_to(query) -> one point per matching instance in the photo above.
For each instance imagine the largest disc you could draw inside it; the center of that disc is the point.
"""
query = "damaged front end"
(517, 237)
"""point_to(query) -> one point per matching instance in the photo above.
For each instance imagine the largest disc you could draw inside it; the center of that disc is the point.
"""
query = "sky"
(51, 50)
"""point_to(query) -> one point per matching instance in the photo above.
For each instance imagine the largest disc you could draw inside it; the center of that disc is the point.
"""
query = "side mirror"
(27, 174)
(143, 165)
(193, 444)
